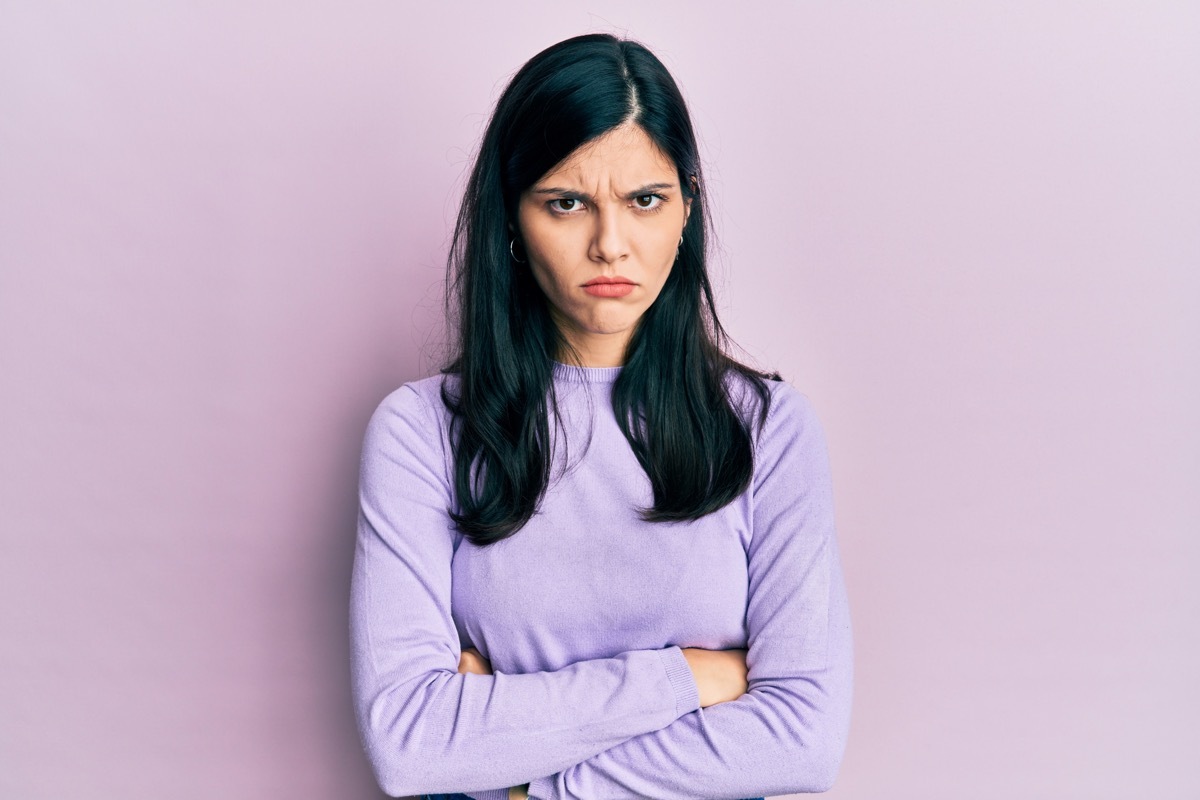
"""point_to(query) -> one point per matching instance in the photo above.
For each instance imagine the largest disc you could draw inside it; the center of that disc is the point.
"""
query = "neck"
(594, 349)
(594, 354)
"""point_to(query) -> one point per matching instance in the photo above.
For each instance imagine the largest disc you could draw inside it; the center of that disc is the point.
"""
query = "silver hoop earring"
(512, 251)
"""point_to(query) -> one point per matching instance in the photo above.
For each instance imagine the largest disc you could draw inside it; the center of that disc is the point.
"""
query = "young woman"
(596, 556)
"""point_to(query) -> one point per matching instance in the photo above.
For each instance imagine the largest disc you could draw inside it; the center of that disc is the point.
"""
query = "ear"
(688, 197)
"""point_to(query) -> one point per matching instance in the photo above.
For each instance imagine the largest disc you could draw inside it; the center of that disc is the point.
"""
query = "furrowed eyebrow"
(562, 192)
(649, 188)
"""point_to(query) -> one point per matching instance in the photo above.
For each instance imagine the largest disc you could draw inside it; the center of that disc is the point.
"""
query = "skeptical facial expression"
(601, 231)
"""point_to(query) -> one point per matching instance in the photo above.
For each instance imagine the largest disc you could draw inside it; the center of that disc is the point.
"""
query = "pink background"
(969, 232)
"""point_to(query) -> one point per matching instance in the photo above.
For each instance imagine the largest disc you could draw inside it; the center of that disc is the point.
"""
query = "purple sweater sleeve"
(787, 734)
(425, 727)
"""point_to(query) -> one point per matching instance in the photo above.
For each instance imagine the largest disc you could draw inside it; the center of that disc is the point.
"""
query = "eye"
(648, 202)
(564, 205)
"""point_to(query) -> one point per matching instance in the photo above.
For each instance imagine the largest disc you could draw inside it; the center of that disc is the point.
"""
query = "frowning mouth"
(609, 281)
(609, 287)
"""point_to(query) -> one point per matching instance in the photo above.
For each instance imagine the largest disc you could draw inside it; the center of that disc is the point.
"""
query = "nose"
(610, 240)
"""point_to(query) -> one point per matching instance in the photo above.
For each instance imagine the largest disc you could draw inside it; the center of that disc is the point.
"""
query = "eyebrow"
(649, 188)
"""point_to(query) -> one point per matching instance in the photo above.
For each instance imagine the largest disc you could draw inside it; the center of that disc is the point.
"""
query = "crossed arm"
(720, 676)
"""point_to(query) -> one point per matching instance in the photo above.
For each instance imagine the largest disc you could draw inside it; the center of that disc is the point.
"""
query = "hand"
(473, 661)
(721, 675)
(519, 792)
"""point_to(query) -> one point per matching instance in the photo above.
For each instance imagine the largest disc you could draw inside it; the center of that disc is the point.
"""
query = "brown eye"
(564, 204)
(647, 202)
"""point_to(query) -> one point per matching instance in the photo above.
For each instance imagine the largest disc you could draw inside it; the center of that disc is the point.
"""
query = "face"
(601, 231)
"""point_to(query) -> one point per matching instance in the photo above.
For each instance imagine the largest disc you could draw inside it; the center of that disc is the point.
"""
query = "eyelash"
(565, 213)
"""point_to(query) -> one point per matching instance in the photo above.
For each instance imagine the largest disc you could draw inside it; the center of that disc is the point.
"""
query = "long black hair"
(673, 396)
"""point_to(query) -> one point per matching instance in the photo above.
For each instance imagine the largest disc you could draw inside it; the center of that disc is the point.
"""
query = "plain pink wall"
(970, 232)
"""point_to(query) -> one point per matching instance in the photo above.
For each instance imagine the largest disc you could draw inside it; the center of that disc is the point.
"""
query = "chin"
(611, 327)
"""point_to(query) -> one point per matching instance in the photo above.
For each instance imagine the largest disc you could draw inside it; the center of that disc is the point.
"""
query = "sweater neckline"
(571, 372)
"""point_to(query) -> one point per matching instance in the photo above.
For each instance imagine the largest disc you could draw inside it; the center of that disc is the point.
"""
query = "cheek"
(553, 258)
(664, 250)
(543, 277)
(542, 242)
(554, 282)
(665, 235)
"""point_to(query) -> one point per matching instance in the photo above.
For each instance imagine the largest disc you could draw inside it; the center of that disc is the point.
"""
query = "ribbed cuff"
(490, 794)
(543, 789)
(687, 693)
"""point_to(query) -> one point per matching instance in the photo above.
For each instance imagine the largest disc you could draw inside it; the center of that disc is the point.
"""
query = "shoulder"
(787, 408)
(404, 450)
(411, 398)
(790, 408)
(413, 410)
(792, 437)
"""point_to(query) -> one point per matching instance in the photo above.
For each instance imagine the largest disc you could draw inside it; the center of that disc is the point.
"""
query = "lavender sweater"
(583, 612)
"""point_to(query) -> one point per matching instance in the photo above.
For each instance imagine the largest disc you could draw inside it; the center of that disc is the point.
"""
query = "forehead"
(623, 154)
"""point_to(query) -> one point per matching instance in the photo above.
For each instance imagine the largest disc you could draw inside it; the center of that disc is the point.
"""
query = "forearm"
(720, 676)
(785, 736)
(444, 731)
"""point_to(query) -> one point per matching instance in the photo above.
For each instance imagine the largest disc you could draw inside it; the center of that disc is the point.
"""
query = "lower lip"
(608, 289)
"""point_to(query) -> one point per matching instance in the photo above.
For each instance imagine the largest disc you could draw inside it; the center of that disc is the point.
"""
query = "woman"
(596, 556)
